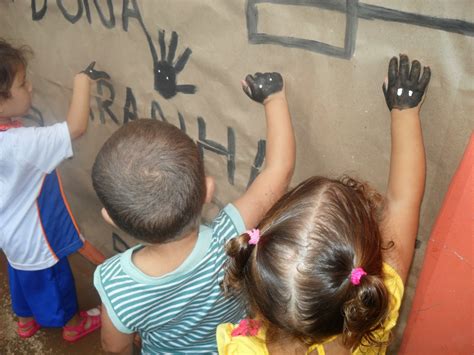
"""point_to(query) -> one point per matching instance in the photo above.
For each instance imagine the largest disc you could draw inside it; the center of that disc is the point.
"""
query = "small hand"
(405, 88)
(95, 74)
(260, 86)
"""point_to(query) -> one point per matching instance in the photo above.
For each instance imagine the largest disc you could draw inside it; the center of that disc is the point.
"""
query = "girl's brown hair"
(11, 61)
(298, 275)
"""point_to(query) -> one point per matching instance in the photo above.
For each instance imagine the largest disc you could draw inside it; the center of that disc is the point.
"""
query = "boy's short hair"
(11, 61)
(149, 176)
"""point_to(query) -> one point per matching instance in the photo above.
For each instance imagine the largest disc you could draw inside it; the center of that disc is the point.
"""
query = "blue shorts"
(48, 295)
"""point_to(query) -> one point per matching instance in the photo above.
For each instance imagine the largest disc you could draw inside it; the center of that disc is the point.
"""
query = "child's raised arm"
(404, 94)
(273, 180)
(78, 114)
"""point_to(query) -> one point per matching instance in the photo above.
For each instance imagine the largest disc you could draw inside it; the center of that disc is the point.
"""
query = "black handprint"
(95, 74)
(259, 86)
(405, 88)
(166, 72)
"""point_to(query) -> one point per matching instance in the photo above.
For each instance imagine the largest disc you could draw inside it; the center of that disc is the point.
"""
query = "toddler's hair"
(297, 277)
(150, 178)
(11, 61)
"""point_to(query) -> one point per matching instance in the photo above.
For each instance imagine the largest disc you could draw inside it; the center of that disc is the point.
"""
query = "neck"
(160, 259)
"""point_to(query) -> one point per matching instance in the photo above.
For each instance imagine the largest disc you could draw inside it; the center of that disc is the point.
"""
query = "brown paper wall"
(334, 86)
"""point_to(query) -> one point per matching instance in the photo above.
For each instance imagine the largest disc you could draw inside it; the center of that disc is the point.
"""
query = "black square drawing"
(346, 52)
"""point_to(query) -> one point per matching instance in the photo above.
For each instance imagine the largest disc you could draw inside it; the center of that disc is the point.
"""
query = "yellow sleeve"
(238, 345)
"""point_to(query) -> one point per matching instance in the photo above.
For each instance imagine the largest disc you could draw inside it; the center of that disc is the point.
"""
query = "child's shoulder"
(111, 268)
(228, 218)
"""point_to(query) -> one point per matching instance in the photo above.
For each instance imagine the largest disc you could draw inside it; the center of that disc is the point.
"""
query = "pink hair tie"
(254, 236)
(356, 275)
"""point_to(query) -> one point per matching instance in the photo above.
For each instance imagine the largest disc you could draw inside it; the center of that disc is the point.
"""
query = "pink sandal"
(81, 330)
(28, 329)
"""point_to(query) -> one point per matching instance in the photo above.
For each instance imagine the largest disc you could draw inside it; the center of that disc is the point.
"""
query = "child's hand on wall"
(404, 88)
(263, 87)
(95, 74)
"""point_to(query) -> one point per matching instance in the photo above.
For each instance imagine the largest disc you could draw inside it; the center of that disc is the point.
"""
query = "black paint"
(165, 72)
(350, 8)
(259, 86)
(36, 14)
(353, 10)
(182, 122)
(258, 162)
(165, 69)
(217, 148)
(107, 22)
(95, 74)
(128, 12)
(104, 105)
(405, 87)
(71, 18)
(130, 101)
(155, 107)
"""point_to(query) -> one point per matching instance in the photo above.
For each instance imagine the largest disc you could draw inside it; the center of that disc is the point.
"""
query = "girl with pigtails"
(324, 271)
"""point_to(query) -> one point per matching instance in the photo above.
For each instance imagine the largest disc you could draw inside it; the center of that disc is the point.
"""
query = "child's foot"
(27, 327)
(82, 324)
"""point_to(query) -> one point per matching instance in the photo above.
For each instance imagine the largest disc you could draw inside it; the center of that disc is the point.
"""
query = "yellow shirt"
(256, 345)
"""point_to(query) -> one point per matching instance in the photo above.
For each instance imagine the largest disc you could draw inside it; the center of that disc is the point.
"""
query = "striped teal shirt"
(176, 313)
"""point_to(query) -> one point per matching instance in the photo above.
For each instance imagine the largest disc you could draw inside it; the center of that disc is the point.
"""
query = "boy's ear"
(210, 187)
(107, 218)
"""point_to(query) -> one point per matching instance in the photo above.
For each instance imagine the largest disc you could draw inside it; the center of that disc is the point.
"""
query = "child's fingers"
(404, 67)
(415, 71)
(392, 71)
(425, 79)
(246, 88)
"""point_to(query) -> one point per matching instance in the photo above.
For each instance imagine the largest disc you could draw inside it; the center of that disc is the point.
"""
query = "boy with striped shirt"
(150, 178)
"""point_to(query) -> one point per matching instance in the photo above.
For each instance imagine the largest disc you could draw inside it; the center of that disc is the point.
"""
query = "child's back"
(150, 177)
(324, 273)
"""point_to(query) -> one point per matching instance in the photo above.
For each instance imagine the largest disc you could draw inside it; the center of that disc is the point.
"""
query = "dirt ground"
(49, 341)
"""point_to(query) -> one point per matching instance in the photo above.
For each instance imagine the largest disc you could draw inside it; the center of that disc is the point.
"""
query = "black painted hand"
(405, 88)
(95, 74)
(259, 86)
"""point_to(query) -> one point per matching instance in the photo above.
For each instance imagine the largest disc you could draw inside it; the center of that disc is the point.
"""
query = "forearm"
(407, 163)
(280, 148)
(78, 114)
(273, 180)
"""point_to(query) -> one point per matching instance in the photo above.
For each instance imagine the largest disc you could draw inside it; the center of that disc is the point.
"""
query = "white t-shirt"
(26, 156)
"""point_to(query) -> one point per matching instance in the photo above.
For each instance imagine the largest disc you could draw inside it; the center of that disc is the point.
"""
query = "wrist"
(411, 112)
(277, 97)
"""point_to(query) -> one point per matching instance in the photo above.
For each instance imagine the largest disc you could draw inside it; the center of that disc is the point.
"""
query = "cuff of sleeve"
(106, 302)
(69, 153)
(236, 218)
